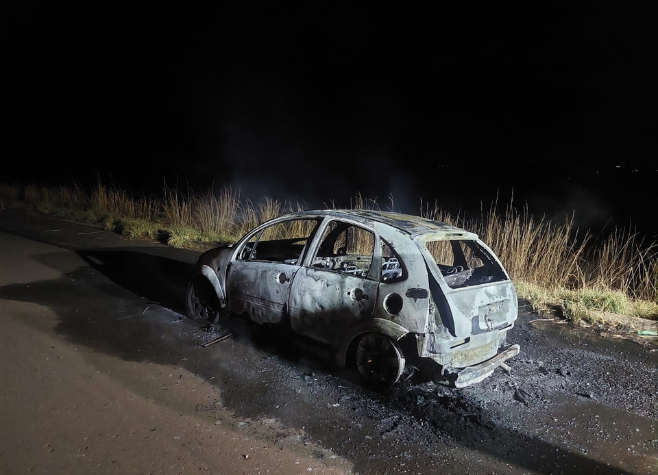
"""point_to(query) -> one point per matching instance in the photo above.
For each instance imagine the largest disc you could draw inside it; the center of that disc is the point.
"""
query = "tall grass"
(561, 256)
(542, 256)
(115, 201)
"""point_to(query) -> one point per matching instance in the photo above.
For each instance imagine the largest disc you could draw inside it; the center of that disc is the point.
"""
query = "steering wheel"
(455, 270)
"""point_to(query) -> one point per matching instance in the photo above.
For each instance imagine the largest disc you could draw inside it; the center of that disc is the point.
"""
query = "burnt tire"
(201, 302)
(379, 360)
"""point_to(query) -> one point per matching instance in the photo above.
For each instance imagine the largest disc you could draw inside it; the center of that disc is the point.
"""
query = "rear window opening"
(464, 263)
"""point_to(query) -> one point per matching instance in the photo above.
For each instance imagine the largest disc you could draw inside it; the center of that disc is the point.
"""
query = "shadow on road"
(156, 278)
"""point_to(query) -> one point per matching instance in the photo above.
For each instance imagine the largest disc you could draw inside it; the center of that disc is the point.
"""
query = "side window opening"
(464, 263)
(281, 242)
(345, 248)
(392, 266)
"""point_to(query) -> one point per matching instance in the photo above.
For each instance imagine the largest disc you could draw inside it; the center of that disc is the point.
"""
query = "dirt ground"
(69, 409)
(101, 373)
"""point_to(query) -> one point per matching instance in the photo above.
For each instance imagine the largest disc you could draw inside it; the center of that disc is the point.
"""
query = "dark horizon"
(450, 103)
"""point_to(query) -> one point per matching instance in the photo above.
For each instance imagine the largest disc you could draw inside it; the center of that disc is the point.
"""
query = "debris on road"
(521, 396)
(217, 340)
(588, 395)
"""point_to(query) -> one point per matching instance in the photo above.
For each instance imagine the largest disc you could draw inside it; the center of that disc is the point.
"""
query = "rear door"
(338, 286)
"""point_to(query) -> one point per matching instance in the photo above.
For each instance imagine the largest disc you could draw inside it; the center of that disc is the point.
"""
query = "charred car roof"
(413, 226)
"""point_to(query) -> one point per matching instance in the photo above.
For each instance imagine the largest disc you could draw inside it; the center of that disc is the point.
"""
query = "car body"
(380, 290)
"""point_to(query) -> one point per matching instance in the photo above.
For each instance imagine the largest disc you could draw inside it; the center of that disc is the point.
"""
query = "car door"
(338, 284)
(259, 278)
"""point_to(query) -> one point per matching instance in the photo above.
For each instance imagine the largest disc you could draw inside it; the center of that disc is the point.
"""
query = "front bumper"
(460, 378)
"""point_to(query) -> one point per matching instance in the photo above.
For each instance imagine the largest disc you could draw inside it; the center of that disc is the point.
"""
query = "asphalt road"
(101, 372)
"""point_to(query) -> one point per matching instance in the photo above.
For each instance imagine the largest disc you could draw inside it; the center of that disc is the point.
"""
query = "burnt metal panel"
(260, 289)
(214, 281)
(414, 311)
(417, 293)
(323, 302)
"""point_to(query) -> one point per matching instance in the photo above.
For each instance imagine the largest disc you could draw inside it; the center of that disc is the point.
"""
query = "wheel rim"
(200, 302)
(379, 360)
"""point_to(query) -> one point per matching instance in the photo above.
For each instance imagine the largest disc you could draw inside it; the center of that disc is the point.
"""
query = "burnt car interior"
(284, 250)
(269, 247)
(465, 263)
(393, 269)
(345, 248)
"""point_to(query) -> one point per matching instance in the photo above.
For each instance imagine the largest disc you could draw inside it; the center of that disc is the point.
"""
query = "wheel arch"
(372, 325)
(209, 274)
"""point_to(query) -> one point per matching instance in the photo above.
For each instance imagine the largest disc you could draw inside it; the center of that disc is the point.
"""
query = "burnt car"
(379, 290)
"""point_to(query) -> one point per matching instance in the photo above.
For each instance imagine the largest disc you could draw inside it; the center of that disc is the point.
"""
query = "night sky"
(456, 103)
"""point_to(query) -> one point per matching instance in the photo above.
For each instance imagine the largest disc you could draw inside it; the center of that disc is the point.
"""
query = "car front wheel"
(201, 302)
(379, 360)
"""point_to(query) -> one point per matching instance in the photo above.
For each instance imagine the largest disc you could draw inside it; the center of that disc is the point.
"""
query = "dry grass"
(138, 229)
(183, 236)
(557, 267)
(115, 201)
(586, 305)
(559, 258)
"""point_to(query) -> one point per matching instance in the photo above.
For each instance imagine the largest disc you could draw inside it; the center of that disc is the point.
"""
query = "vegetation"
(556, 267)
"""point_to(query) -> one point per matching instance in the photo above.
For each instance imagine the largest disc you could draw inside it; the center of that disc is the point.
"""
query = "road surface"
(101, 373)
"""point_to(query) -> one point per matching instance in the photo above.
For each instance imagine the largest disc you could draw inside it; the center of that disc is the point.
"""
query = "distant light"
(618, 166)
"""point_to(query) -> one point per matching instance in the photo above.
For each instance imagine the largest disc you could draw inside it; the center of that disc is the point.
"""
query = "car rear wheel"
(201, 302)
(379, 360)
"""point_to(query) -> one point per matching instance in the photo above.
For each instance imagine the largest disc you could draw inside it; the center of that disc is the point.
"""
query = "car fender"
(212, 264)
(370, 325)
(214, 281)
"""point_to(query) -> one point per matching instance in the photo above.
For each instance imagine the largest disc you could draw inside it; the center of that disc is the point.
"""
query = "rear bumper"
(460, 378)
